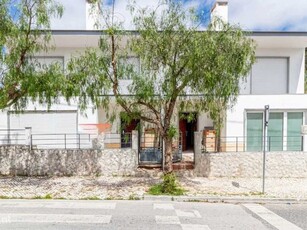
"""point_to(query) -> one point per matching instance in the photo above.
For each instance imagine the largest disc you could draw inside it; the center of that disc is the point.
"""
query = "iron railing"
(12, 136)
(151, 148)
(252, 143)
(62, 140)
(117, 140)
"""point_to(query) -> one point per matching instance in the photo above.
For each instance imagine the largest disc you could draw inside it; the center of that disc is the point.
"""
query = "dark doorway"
(187, 126)
(126, 131)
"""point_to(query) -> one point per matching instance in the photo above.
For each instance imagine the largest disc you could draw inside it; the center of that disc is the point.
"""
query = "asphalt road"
(295, 213)
(55, 214)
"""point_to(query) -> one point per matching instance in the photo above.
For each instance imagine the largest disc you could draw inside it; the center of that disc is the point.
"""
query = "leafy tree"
(24, 32)
(177, 60)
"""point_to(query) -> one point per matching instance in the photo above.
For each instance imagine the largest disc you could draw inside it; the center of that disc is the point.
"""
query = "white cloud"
(269, 14)
(73, 17)
(124, 15)
(264, 15)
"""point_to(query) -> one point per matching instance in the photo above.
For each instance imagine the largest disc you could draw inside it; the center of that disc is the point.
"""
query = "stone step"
(176, 166)
(183, 166)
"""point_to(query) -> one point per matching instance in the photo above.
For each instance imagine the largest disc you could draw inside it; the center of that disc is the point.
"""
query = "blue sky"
(256, 15)
(252, 15)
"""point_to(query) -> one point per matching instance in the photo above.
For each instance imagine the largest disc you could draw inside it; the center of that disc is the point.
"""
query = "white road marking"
(197, 214)
(194, 213)
(272, 218)
(194, 227)
(57, 218)
(60, 205)
(163, 206)
(167, 220)
(184, 214)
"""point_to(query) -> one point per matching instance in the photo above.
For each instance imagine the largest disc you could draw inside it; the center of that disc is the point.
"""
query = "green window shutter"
(294, 123)
(275, 132)
(254, 131)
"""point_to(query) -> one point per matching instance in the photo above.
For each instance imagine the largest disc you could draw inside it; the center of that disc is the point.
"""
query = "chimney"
(220, 10)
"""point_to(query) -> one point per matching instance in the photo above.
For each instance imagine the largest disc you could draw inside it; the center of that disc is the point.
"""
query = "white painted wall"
(296, 68)
(294, 100)
(87, 117)
(234, 125)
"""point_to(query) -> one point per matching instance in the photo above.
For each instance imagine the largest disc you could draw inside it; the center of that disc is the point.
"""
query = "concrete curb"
(231, 200)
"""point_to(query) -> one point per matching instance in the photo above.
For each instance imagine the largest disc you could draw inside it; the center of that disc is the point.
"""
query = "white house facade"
(276, 79)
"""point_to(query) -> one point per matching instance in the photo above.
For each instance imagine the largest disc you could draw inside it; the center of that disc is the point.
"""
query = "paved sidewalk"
(136, 187)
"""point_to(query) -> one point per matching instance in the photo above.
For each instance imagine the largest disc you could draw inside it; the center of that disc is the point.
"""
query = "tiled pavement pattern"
(105, 187)
(55, 214)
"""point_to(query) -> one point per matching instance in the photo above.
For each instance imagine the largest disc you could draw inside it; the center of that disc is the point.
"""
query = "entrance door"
(187, 127)
(126, 130)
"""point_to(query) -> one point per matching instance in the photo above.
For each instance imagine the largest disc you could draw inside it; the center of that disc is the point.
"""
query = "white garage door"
(45, 122)
(53, 129)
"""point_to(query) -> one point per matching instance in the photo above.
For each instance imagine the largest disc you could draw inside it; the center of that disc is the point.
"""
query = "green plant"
(169, 186)
(91, 198)
(47, 197)
(133, 197)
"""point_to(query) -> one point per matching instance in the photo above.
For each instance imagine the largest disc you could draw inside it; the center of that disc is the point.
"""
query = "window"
(284, 131)
(294, 137)
(275, 132)
(269, 76)
(254, 131)
(128, 65)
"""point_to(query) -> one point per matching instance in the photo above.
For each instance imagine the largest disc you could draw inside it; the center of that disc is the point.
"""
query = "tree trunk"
(168, 160)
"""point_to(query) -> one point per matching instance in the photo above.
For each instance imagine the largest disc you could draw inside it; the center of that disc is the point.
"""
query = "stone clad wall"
(249, 164)
(20, 160)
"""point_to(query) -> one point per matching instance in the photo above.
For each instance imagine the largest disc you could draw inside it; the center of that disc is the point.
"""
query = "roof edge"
(251, 33)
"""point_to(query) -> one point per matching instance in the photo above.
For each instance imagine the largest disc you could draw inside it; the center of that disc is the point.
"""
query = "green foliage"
(133, 197)
(46, 197)
(169, 186)
(172, 132)
(155, 190)
(91, 198)
(176, 60)
(22, 36)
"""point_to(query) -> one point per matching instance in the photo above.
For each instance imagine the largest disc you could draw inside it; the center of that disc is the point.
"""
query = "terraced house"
(276, 79)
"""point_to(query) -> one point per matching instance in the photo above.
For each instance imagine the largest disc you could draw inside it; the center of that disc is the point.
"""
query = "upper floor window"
(269, 76)
(130, 65)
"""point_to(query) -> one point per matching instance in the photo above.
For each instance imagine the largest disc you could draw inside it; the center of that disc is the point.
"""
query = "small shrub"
(48, 196)
(169, 186)
(133, 197)
(91, 198)
(155, 189)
